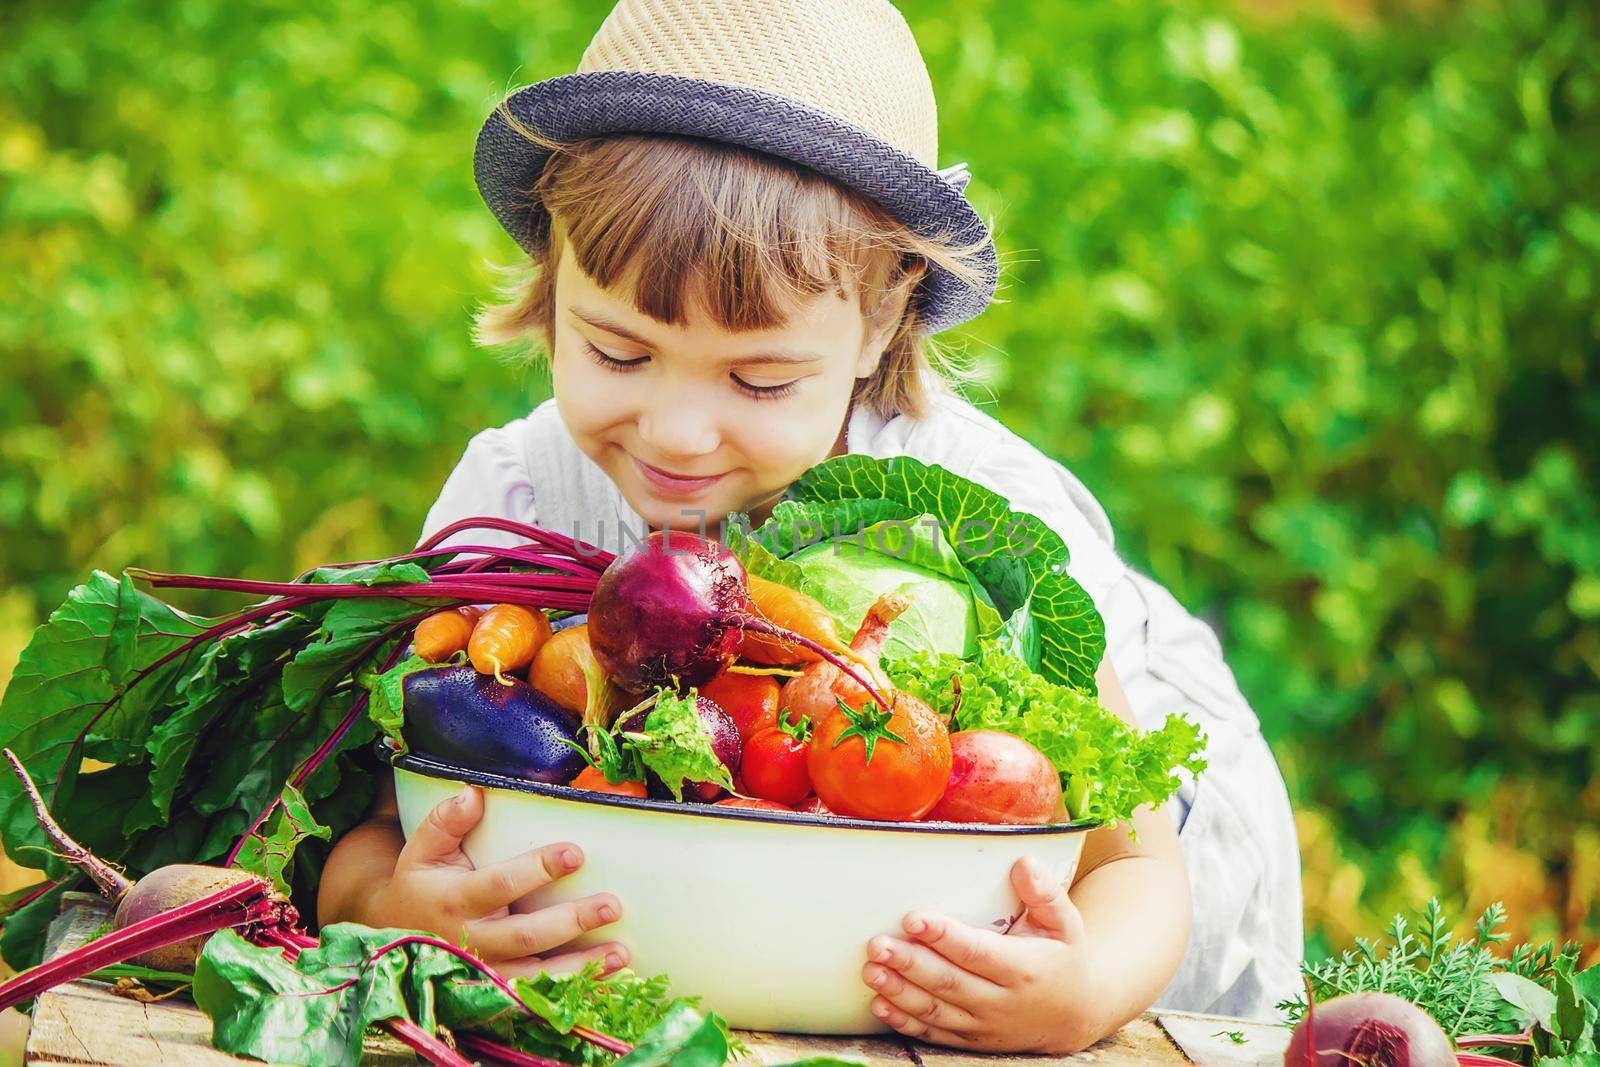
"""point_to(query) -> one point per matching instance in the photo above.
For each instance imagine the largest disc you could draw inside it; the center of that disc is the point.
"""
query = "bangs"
(677, 221)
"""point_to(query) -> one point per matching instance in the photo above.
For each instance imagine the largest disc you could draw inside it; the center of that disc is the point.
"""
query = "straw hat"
(835, 85)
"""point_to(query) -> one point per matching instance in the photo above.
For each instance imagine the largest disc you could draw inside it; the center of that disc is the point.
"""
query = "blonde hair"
(659, 214)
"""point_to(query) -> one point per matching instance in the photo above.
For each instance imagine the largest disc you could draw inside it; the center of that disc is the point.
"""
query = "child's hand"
(436, 888)
(1029, 990)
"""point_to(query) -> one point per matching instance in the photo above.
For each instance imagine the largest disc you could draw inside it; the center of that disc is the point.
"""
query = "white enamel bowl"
(764, 915)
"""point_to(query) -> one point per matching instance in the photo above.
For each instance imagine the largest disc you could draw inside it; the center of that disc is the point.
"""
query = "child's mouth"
(673, 484)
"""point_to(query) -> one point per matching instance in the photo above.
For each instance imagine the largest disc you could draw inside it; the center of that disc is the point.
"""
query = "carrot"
(443, 634)
(595, 781)
(792, 610)
(506, 639)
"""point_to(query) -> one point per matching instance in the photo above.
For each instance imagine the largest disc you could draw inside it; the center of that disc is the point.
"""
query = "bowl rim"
(440, 769)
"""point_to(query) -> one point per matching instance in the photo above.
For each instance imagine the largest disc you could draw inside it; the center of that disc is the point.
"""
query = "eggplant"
(458, 716)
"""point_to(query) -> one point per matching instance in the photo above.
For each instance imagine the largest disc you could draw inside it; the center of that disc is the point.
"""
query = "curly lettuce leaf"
(1108, 767)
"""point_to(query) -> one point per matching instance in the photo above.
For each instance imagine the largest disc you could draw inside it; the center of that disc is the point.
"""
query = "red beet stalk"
(245, 904)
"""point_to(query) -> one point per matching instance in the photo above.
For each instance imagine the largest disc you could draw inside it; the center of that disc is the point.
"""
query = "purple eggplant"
(459, 716)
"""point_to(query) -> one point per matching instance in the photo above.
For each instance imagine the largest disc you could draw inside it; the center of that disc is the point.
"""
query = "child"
(740, 248)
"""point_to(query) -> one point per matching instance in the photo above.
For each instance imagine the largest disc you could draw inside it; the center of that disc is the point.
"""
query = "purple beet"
(725, 743)
(462, 717)
(668, 612)
(1370, 1029)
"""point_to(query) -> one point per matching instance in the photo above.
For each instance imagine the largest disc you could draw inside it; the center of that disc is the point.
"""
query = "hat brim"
(506, 164)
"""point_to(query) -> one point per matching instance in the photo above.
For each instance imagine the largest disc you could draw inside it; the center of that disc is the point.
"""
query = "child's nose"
(677, 426)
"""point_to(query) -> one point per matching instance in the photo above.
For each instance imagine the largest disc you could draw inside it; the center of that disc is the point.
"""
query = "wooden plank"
(1205, 1039)
(785, 1048)
(1141, 1043)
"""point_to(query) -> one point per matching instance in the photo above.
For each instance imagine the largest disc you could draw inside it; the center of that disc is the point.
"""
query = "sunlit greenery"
(1311, 305)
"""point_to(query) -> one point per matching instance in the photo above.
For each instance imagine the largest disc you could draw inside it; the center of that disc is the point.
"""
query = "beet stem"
(112, 882)
(494, 1050)
(236, 905)
(424, 1044)
(599, 559)
(1474, 1040)
(594, 1037)
(29, 897)
(761, 626)
(1479, 1059)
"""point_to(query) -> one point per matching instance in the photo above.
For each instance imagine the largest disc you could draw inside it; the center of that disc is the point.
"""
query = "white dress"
(1235, 826)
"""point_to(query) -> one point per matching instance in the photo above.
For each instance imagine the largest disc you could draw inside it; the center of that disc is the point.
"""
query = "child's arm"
(378, 877)
(1071, 971)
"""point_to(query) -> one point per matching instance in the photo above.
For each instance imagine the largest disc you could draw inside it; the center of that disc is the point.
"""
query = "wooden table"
(87, 1023)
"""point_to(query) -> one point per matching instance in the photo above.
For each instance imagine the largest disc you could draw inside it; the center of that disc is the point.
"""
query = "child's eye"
(611, 362)
(763, 392)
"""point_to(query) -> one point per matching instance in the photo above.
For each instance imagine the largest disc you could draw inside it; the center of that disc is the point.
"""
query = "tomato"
(751, 700)
(774, 764)
(875, 764)
(996, 777)
(748, 802)
(593, 780)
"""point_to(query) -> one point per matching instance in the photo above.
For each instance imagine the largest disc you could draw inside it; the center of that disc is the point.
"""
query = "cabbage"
(854, 527)
(849, 574)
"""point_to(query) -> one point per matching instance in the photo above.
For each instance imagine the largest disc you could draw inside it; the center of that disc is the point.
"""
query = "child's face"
(692, 422)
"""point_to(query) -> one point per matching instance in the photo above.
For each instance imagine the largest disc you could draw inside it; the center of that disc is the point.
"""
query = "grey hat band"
(507, 165)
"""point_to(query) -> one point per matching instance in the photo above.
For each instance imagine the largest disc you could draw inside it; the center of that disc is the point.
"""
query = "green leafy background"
(1307, 296)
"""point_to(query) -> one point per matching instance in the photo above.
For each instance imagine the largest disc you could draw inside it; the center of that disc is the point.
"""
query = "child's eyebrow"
(600, 321)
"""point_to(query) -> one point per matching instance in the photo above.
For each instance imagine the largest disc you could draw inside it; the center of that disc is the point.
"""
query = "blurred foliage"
(1310, 304)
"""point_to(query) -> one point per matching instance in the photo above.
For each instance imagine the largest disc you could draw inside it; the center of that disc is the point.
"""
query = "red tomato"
(747, 802)
(751, 700)
(594, 781)
(873, 764)
(774, 764)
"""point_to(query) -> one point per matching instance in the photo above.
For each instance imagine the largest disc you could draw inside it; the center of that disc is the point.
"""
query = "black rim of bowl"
(432, 768)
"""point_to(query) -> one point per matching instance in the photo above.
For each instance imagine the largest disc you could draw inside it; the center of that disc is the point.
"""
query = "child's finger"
(921, 965)
(439, 836)
(1045, 901)
(916, 1001)
(499, 884)
(983, 952)
(531, 934)
(900, 1022)
(612, 956)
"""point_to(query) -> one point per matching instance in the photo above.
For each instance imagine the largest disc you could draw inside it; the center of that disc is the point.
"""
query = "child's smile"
(692, 421)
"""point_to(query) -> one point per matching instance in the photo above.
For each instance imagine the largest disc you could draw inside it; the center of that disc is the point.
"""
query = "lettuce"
(1108, 767)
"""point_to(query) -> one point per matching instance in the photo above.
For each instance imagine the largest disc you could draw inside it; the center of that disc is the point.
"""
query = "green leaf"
(316, 1010)
(674, 745)
(1533, 999)
(684, 1038)
(76, 679)
(270, 853)
(386, 706)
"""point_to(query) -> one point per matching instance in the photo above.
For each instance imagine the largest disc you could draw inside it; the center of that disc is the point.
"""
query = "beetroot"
(1368, 1030)
(673, 610)
(666, 612)
(719, 726)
